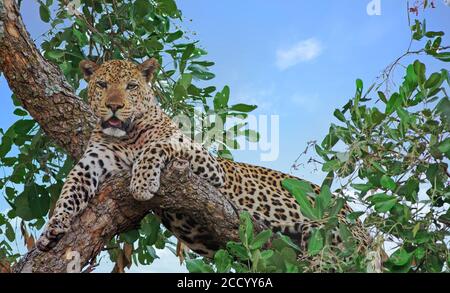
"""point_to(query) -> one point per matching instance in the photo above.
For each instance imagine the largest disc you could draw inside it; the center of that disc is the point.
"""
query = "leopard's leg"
(80, 186)
(146, 171)
(205, 165)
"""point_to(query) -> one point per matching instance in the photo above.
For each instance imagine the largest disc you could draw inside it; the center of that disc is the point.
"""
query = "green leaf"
(443, 107)
(226, 154)
(359, 87)
(198, 266)
(339, 115)
(445, 218)
(388, 183)
(130, 236)
(377, 116)
(187, 53)
(39, 200)
(266, 254)
(174, 36)
(9, 233)
(300, 190)
(22, 207)
(419, 70)
(315, 242)
(433, 80)
(243, 108)
(5, 146)
(383, 202)
(246, 228)
(410, 189)
(353, 216)
(220, 100)
(23, 126)
(20, 112)
(382, 97)
(151, 229)
(331, 165)
(54, 54)
(340, 202)
(44, 13)
(222, 260)
(431, 34)
(393, 103)
(200, 72)
(444, 146)
(141, 8)
(403, 114)
(362, 187)
(445, 56)
(286, 240)
(324, 197)
(168, 7)
(237, 250)
(261, 239)
(400, 257)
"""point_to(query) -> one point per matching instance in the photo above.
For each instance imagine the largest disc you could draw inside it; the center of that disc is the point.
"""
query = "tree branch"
(68, 121)
(111, 213)
(41, 86)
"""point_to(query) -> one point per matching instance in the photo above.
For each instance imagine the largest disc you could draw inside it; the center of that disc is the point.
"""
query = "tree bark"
(114, 211)
(40, 85)
(68, 121)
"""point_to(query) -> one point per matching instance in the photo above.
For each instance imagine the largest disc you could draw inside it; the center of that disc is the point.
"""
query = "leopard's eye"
(102, 84)
(132, 86)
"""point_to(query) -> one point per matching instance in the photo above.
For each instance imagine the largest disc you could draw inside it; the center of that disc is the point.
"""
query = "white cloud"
(302, 51)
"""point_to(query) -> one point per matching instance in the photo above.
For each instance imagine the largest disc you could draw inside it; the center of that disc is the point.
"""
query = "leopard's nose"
(114, 106)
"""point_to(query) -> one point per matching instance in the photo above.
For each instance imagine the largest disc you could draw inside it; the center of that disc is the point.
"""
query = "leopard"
(134, 134)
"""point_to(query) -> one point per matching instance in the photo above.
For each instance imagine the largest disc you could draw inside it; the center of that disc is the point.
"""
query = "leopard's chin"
(115, 127)
(115, 132)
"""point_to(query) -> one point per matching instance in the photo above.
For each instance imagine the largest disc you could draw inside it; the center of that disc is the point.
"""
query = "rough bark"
(40, 85)
(114, 211)
(68, 121)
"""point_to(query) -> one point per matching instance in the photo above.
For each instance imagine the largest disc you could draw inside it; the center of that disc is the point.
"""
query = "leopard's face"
(119, 92)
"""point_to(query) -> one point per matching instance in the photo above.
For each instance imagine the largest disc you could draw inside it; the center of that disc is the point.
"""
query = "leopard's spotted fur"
(134, 134)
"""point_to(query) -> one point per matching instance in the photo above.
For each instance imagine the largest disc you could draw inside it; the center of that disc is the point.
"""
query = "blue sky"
(295, 59)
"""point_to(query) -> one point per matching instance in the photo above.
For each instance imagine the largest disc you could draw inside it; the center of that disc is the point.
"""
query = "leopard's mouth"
(114, 122)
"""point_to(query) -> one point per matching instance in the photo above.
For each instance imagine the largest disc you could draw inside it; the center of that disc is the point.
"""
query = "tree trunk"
(68, 121)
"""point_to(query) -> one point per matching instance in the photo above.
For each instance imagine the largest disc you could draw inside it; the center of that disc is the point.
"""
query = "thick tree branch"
(41, 86)
(114, 211)
(67, 120)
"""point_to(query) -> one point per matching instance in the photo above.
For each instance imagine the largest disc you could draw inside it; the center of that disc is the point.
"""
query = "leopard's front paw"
(143, 193)
(52, 234)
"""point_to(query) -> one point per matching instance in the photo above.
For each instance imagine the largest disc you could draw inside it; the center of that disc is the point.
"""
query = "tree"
(389, 154)
(389, 150)
(56, 134)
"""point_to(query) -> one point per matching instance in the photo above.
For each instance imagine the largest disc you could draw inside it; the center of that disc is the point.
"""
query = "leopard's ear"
(148, 68)
(88, 68)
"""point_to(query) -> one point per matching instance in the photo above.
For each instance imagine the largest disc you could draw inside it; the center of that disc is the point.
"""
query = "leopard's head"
(119, 91)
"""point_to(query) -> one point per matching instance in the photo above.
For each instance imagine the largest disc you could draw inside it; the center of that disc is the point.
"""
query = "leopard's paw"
(52, 234)
(143, 193)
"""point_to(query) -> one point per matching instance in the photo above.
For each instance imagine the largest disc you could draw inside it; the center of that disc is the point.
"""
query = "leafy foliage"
(251, 253)
(390, 152)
